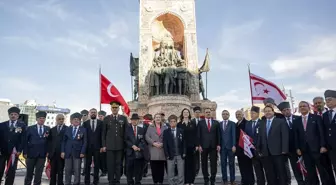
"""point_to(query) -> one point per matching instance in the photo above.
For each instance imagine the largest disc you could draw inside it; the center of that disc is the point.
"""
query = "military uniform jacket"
(113, 135)
(330, 131)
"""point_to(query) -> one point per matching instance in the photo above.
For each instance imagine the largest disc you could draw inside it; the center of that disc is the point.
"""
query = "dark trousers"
(134, 170)
(326, 162)
(246, 169)
(103, 164)
(57, 168)
(293, 158)
(275, 169)
(332, 157)
(197, 162)
(259, 170)
(145, 169)
(95, 154)
(10, 176)
(212, 153)
(157, 168)
(313, 160)
(37, 165)
(189, 166)
(114, 162)
(227, 154)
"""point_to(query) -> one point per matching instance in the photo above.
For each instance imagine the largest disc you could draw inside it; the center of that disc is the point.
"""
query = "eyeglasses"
(84, 115)
(60, 118)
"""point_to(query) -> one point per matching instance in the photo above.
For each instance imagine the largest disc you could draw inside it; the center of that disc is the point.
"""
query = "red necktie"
(209, 126)
(134, 130)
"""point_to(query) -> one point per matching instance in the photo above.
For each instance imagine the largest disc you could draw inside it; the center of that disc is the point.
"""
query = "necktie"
(12, 124)
(268, 126)
(93, 126)
(173, 132)
(330, 115)
(305, 122)
(58, 129)
(74, 133)
(134, 130)
(209, 125)
(320, 113)
(40, 131)
(253, 126)
(289, 122)
(225, 123)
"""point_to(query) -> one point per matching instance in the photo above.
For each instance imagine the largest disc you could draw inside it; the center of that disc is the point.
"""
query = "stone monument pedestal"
(170, 104)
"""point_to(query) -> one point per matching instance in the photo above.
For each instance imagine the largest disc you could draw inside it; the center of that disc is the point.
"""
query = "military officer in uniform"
(113, 140)
(329, 119)
(12, 136)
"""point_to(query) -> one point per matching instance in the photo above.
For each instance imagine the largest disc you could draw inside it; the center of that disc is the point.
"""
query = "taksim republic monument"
(166, 76)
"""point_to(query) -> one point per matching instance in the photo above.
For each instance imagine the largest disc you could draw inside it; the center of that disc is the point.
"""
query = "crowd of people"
(179, 146)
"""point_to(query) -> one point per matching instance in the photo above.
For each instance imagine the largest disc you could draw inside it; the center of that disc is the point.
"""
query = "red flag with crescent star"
(262, 89)
(109, 92)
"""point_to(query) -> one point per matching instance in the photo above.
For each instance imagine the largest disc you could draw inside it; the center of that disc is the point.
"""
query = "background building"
(30, 107)
(5, 104)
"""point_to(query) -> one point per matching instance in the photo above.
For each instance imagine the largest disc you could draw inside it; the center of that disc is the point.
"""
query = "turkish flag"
(109, 92)
(262, 89)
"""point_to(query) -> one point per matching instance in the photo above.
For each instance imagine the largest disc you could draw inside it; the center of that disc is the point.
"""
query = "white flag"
(262, 89)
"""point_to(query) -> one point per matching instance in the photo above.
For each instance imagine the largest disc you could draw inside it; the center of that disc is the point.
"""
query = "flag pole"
(206, 85)
(249, 72)
(100, 87)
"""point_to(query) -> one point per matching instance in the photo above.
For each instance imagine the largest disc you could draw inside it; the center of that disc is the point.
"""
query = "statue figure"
(169, 79)
(201, 86)
(134, 70)
(182, 78)
(155, 75)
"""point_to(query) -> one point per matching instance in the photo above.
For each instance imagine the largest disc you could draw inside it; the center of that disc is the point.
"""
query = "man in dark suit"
(197, 114)
(319, 105)
(209, 137)
(55, 143)
(113, 138)
(284, 107)
(36, 149)
(93, 128)
(310, 142)
(12, 136)
(74, 149)
(329, 119)
(103, 166)
(272, 145)
(244, 162)
(135, 140)
(228, 147)
(252, 130)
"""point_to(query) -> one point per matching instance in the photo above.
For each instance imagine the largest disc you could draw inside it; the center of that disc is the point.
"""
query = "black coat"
(276, 143)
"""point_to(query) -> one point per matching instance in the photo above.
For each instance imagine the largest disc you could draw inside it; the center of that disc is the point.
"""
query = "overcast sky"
(51, 50)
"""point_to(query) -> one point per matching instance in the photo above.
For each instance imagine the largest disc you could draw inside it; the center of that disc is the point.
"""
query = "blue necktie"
(253, 126)
(40, 131)
(74, 133)
(330, 115)
(268, 126)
